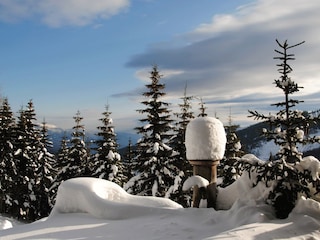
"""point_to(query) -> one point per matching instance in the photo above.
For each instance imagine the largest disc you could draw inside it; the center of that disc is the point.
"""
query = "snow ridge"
(105, 199)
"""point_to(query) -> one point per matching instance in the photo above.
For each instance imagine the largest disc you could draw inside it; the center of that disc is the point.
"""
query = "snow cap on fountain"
(205, 139)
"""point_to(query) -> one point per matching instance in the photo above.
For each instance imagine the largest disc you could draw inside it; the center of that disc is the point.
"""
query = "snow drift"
(105, 199)
(90, 208)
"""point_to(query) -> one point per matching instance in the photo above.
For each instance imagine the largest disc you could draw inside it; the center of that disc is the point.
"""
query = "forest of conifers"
(156, 166)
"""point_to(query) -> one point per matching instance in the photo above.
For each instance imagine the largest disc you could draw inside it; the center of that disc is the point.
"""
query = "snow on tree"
(27, 144)
(154, 168)
(8, 169)
(288, 128)
(233, 145)
(128, 160)
(106, 162)
(177, 142)
(61, 165)
(227, 169)
(45, 173)
(73, 160)
(202, 108)
(78, 153)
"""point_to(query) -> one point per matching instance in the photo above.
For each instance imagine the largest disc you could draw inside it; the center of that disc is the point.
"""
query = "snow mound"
(307, 207)
(205, 139)
(312, 164)
(105, 199)
(89, 207)
(195, 181)
(5, 223)
(242, 189)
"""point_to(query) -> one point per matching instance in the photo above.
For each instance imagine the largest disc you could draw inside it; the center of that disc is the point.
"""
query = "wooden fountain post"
(205, 146)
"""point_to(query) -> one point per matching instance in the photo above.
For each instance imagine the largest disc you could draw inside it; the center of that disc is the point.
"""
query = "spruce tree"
(202, 109)
(107, 161)
(154, 169)
(45, 174)
(26, 155)
(233, 145)
(8, 168)
(178, 144)
(128, 160)
(289, 125)
(78, 164)
(61, 166)
(228, 168)
(287, 129)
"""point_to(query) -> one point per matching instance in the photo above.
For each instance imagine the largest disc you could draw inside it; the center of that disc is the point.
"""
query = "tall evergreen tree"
(8, 169)
(288, 125)
(128, 160)
(45, 174)
(233, 145)
(228, 169)
(154, 169)
(107, 161)
(78, 154)
(73, 157)
(287, 130)
(202, 109)
(61, 166)
(178, 144)
(26, 156)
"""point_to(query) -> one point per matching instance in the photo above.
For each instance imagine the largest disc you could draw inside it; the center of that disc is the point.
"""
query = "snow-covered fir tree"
(46, 173)
(287, 129)
(228, 169)
(61, 166)
(128, 160)
(233, 145)
(202, 108)
(177, 142)
(288, 126)
(154, 168)
(27, 144)
(8, 169)
(106, 162)
(78, 162)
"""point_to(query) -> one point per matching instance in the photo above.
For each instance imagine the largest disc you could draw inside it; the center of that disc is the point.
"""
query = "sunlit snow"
(89, 208)
(92, 208)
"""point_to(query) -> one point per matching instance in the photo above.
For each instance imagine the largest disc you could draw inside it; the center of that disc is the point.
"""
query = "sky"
(81, 55)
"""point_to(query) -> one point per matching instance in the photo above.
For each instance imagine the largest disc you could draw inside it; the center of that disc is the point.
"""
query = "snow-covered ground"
(89, 208)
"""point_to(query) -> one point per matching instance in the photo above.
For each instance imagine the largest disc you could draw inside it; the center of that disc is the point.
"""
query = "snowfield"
(90, 208)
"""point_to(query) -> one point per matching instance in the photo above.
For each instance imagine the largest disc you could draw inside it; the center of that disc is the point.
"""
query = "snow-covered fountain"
(205, 146)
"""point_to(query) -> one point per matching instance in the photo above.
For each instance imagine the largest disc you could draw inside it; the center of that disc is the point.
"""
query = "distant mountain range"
(57, 134)
(251, 140)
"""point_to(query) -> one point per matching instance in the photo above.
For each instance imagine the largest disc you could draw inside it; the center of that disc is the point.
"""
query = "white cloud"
(144, 74)
(57, 13)
(231, 57)
(12, 11)
(269, 14)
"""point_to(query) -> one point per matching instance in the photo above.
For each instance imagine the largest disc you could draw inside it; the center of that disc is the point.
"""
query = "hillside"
(253, 142)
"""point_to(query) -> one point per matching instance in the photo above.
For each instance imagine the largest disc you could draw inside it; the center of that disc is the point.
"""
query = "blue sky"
(70, 55)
